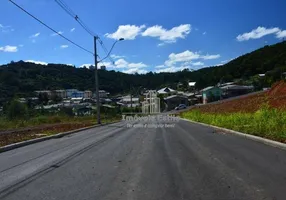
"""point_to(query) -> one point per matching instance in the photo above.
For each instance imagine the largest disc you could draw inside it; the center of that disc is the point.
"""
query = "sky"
(160, 35)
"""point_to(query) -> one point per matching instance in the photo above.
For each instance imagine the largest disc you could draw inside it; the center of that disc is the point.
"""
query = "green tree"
(17, 110)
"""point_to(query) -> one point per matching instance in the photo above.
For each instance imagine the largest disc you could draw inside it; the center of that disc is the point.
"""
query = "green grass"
(6, 124)
(266, 122)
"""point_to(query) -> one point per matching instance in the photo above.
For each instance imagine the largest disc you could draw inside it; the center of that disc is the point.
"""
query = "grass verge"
(266, 122)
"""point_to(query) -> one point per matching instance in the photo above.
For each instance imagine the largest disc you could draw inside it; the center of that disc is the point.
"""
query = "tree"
(43, 98)
(17, 110)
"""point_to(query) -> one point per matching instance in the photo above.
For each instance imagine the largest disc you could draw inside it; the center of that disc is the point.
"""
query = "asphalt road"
(187, 161)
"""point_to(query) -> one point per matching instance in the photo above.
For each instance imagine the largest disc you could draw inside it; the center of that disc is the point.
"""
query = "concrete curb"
(252, 137)
(36, 140)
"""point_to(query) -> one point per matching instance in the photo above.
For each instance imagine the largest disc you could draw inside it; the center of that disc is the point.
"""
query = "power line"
(70, 12)
(50, 27)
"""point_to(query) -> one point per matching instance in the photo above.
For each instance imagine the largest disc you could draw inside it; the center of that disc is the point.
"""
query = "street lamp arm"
(110, 50)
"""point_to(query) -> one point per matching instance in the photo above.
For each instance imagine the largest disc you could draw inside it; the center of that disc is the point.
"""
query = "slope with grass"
(261, 114)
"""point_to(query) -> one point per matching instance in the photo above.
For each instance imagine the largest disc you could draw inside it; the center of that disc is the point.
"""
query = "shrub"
(17, 110)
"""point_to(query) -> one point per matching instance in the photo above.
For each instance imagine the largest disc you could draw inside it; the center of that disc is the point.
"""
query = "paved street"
(187, 161)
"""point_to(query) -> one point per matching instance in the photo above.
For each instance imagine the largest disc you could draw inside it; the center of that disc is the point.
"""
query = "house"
(126, 100)
(166, 91)
(102, 94)
(211, 93)
(235, 90)
(87, 94)
(151, 103)
(48, 92)
(77, 94)
(61, 93)
(173, 101)
(70, 92)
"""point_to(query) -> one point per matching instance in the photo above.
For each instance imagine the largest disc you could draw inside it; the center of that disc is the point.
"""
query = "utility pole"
(96, 82)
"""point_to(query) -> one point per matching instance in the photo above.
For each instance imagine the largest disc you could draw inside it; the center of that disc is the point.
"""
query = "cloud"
(35, 35)
(86, 65)
(182, 57)
(72, 30)
(160, 66)
(5, 29)
(9, 49)
(257, 33)
(172, 69)
(210, 57)
(281, 34)
(116, 56)
(128, 32)
(58, 33)
(37, 62)
(20, 45)
(224, 61)
(204, 33)
(161, 44)
(121, 63)
(64, 46)
(135, 70)
(168, 36)
(198, 64)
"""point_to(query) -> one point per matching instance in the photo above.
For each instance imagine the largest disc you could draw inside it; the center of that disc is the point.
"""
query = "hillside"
(21, 78)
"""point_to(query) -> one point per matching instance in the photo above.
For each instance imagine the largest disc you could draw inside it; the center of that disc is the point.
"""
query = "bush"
(17, 110)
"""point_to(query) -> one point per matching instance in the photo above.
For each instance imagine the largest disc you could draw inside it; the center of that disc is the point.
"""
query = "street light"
(96, 75)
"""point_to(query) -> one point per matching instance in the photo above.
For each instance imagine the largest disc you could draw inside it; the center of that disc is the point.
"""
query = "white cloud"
(168, 36)
(224, 61)
(257, 33)
(5, 29)
(9, 49)
(72, 30)
(160, 66)
(21, 45)
(35, 35)
(116, 56)
(121, 63)
(59, 33)
(210, 57)
(198, 64)
(281, 34)
(135, 70)
(64, 46)
(182, 57)
(171, 69)
(85, 65)
(37, 62)
(204, 33)
(128, 32)
(161, 44)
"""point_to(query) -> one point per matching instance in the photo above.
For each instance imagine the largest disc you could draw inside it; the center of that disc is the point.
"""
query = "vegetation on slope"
(21, 78)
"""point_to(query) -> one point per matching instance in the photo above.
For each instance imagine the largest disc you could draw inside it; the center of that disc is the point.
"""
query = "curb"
(58, 135)
(248, 136)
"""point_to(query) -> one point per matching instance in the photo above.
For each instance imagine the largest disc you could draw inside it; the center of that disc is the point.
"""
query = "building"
(70, 92)
(151, 103)
(235, 90)
(103, 67)
(126, 100)
(210, 94)
(192, 85)
(173, 101)
(166, 91)
(48, 92)
(87, 94)
(61, 93)
(77, 94)
(102, 94)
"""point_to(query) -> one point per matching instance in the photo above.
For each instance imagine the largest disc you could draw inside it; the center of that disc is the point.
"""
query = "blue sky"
(160, 35)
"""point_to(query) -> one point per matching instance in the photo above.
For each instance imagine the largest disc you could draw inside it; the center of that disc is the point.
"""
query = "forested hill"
(23, 78)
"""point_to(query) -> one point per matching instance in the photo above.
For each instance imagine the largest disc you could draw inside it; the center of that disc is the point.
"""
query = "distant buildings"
(151, 103)
(166, 91)
(211, 93)
(174, 100)
(103, 67)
